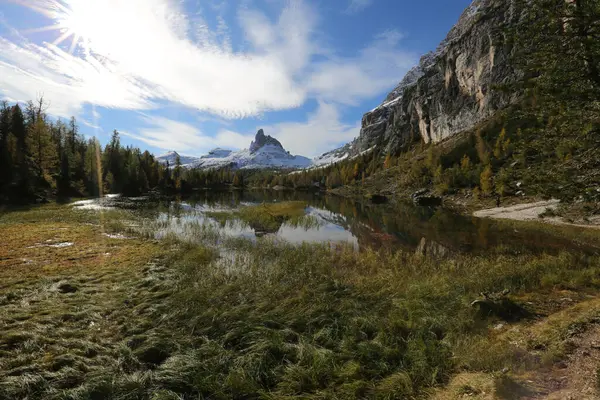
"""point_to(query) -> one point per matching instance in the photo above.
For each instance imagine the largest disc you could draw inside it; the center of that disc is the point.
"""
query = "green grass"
(268, 217)
(221, 318)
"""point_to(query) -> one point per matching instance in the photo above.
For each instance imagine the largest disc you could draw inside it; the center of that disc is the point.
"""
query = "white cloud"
(375, 69)
(28, 71)
(228, 139)
(356, 6)
(137, 54)
(146, 55)
(167, 134)
(291, 39)
(90, 124)
(154, 52)
(322, 131)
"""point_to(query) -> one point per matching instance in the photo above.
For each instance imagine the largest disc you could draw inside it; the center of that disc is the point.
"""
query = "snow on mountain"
(267, 156)
(337, 155)
(333, 156)
(171, 157)
(218, 153)
(264, 152)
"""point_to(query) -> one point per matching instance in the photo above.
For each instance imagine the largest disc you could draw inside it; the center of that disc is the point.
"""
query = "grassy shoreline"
(173, 320)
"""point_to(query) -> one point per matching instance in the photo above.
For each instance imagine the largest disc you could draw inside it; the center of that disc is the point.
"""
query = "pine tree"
(465, 164)
(64, 179)
(486, 181)
(19, 130)
(482, 148)
(40, 142)
(38, 155)
(387, 162)
(7, 146)
(73, 130)
(499, 147)
(177, 173)
(93, 168)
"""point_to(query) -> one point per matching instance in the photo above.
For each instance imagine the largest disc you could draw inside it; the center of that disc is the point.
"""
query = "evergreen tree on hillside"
(7, 147)
(42, 148)
(24, 164)
(558, 49)
(73, 131)
(41, 157)
(93, 167)
(177, 173)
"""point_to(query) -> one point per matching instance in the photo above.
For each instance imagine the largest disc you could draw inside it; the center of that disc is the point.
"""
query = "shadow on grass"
(509, 389)
(504, 308)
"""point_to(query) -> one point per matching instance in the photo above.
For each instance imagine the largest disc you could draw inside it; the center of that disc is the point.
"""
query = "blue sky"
(192, 75)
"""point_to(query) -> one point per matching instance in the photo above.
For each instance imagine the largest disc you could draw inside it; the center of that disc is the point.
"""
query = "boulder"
(378, 199)
(425, 198)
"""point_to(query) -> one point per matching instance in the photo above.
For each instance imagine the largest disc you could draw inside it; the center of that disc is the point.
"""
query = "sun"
(78, 20)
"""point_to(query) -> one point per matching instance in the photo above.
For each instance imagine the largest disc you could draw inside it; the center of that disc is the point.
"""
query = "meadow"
(94, 307)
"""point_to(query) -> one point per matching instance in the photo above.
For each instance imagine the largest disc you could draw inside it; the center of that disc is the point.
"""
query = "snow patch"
(61, 245)
(116, 236)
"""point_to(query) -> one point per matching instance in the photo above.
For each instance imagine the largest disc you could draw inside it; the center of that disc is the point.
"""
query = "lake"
(333, 219)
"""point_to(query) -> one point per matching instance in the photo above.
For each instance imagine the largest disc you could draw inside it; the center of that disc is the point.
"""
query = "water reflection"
(435, 232)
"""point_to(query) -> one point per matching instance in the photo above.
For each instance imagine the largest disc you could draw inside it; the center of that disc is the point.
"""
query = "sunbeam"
(76, 19)
(48, 28)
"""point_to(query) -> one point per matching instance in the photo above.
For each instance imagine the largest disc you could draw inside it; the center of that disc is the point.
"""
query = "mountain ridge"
(264, 152)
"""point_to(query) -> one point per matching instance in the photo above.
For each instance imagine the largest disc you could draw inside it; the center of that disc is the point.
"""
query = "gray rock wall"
(452, 89)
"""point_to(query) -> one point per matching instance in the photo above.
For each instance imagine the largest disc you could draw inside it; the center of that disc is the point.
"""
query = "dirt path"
(520, 212)
(559, 356)
(576, 378)
(531, 212)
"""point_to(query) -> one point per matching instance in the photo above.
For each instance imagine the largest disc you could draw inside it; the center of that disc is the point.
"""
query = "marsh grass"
(321, 322)
(207, 316)
(269, 217)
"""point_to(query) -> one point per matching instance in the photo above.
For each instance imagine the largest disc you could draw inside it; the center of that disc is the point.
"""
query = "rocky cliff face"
(452, 89)
(262, 140)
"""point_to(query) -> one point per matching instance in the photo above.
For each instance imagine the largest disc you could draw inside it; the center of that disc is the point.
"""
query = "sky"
(193, 75)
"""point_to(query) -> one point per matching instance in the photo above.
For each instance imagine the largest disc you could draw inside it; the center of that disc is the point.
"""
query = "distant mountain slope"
(264, 152)
(171, 157)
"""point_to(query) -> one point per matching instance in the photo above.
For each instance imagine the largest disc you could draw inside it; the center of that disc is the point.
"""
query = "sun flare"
(78, 20)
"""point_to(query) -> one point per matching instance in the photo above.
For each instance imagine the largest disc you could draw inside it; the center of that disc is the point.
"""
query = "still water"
(362, 224)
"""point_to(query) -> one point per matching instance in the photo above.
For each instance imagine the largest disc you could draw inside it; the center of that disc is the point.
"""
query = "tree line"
(41, 158)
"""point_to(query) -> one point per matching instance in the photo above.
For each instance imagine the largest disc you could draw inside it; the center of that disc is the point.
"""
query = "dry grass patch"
(69, 297)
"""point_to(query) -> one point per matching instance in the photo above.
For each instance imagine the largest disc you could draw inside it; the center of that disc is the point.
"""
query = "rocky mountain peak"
(265, 152)
(262, 140)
